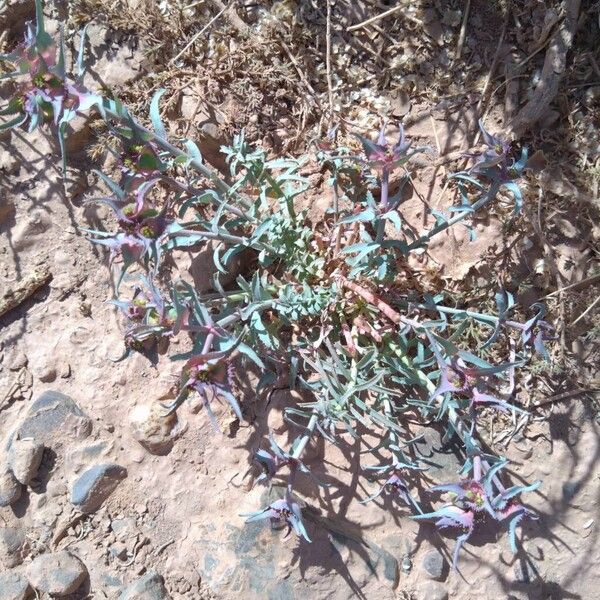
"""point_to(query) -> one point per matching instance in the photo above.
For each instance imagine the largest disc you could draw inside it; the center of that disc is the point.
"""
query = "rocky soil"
(100, 497)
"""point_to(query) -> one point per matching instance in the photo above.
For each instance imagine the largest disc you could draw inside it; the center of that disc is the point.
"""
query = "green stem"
(226, 237)
(310, 428)
(488, 197)
(385, 191)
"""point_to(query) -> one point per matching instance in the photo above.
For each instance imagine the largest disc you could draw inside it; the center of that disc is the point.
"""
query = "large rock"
(24, 459)
(148, 587)
(12, 547)
(255, 561)
(58, 574)
(52, 418)
(14, 587)
(95, 485)
(10, 488)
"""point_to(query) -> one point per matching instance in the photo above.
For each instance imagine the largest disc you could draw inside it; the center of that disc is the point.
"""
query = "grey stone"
(12, 546)
(10, 488)
(24, 459)
(95, 485)
(47, 374)
(149, 587)
(432, 591)
(14, 587)
(433, 564)
(58, 574)
(54, 416)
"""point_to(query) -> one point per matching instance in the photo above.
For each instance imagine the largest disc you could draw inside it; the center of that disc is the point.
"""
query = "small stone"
(24, 459)
(65, 370)
(153, 430)
(18, 361)
(141, 509)
(46, 374)
(432, 591)
(433, 564)
(95, 485)
(52, 417)
(12, 547)
(10, 488)
(148, 587)
(123, 528)
(58, 574)
(14, 587)
(119, 550)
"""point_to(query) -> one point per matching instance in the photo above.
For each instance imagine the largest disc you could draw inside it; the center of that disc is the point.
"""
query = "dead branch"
(25, 288)
(553, 70)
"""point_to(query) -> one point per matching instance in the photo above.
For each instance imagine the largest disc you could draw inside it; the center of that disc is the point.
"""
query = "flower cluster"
(474, 501)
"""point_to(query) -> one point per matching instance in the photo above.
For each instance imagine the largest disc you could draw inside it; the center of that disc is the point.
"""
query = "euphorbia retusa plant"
(319, 309)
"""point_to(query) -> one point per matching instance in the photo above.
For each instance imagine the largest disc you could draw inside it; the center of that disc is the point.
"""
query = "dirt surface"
(177, 512)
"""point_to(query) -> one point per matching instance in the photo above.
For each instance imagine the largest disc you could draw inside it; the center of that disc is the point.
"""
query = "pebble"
(432, 591)
(24, 459)
(12, 547)
(10, 488)
(58, 574)
(47, 375)
(95, 485)
(149, 587)
(153, 430)
(14, 587)
(65, 370)
(433, 564)
(18, 361)
(119, 550)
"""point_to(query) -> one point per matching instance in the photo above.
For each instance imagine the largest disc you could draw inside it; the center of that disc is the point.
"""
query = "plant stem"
(226, 237)
(488, 197)
(196, 193)
(382, 306)
(310, 428)
(385, 192)
(336, 202)
(233, 318)
(208, 342)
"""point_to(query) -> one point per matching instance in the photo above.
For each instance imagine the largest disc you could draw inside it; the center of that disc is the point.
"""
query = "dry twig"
(197, 35)
(13, 297)
(553, 70)
(328, 60)
(387, 13)
(463, 31)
